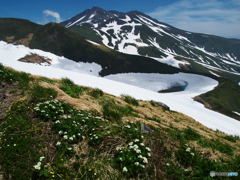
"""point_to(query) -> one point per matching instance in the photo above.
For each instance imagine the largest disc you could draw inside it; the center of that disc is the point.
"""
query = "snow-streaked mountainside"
(137, 33)
(180, 101)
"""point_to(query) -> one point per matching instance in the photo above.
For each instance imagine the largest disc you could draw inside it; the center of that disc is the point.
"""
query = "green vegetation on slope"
(225, 98)
(87, 32)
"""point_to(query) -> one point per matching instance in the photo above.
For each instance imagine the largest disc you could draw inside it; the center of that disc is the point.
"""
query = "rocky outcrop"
(35, 58)
(200, 100)
(163, 105)
(146, 129)
(24, 41)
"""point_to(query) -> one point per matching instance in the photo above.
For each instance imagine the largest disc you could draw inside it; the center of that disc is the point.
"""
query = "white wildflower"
(138, 151)
(65, 137)
(145, 160)
(136, 163)
(136, 140)
(57, 121)
(142, 144)
(131, 143)
(135, 146)
(37, 167)
(41, 158)
(125, 169)
(58, 143)
(147, 148)
(188, 149)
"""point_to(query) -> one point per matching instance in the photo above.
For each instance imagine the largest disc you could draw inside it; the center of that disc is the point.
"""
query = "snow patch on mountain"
(75, 22)
(127, 18)
(214, 74)
(92, 42)
(171, 61)
(94, 14)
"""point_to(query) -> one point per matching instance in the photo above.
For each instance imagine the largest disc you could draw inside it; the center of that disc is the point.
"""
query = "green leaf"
(46, 173)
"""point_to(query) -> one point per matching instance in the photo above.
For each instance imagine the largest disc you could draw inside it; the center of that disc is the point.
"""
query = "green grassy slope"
(87, 32)
(225, 98)
(16, 27)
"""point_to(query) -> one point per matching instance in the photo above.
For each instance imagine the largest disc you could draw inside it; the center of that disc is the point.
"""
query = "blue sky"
(218, 17)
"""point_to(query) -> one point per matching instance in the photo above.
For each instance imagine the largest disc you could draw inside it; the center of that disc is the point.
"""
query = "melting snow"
(236, 113)
(179, 101)
(127, 18)
(94, 14)
(214, 74)
(13, 53)
(75, 22)
(92, 42)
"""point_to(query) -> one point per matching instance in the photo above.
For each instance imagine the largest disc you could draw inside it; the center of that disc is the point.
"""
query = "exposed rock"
(35, 58)
(9, 39)
(163, 105)
(146, 129)
(200, 100)
(24, 41)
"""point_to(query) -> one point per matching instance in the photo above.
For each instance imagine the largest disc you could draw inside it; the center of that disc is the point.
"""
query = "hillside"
(53, 128)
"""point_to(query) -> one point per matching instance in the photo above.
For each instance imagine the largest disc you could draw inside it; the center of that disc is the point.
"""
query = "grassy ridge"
(225, 98)
(43, 137)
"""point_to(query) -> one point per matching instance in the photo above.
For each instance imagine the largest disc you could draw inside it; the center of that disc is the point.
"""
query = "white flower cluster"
(120, 148)
(38, 165)
(127, 126)
(188, 150)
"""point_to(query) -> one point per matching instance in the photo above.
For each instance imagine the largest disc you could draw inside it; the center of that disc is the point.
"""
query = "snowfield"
(148, 84)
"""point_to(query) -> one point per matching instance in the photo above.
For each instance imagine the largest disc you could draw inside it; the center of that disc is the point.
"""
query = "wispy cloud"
(54, 16)
(217, 17)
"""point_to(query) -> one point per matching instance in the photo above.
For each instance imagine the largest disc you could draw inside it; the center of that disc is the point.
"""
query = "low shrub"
(96, 93)
(130, 100)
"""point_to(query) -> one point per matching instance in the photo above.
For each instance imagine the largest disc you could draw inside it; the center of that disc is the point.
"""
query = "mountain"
(61, 41)
(137, 33)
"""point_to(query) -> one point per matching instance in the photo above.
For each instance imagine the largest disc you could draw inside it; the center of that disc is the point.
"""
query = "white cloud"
(215, 17)
(54, 15)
